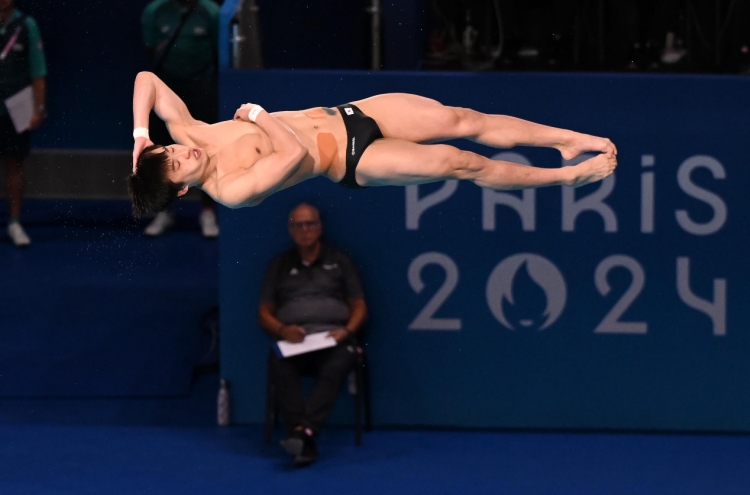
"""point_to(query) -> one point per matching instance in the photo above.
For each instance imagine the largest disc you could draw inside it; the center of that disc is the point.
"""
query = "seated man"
(310, 288)
(371, 142)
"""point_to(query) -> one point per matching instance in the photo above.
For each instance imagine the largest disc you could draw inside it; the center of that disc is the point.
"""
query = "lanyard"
(168, 43)
(11, 42)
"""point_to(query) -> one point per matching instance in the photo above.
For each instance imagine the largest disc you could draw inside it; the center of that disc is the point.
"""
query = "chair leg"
(365, 393)
(268, 431)
(358, 405)
(271, 419)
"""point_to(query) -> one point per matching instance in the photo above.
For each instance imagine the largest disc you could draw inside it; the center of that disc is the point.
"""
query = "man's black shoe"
(308, 455)
(294, 443)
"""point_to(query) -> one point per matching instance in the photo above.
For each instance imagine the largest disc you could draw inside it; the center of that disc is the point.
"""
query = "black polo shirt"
(313, 296)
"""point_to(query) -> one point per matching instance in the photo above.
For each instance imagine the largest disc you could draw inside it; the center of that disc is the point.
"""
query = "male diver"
(378, 141)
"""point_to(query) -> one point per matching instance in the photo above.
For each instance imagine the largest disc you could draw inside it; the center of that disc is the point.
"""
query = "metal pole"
(577, 34)
(248, 52)
(601, 33)
(717, 34)
(374, 11)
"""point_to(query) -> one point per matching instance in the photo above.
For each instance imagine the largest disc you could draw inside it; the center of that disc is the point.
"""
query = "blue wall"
(603, 320)
(94, 308)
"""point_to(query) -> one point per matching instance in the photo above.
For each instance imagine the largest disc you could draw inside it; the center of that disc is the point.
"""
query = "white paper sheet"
(312, 342)
(21, 108)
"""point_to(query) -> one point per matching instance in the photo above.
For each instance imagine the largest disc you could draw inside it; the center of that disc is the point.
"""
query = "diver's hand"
(243, 113)
(140, 144)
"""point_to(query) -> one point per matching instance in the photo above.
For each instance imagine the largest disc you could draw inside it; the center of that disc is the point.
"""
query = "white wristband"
(140, 132)
(254, 112)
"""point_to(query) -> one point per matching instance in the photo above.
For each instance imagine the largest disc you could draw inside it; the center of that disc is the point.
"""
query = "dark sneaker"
(308, 455)
(294, 443)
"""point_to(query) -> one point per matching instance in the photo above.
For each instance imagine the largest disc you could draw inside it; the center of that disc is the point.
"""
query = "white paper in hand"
(312, 342)
(21, 108)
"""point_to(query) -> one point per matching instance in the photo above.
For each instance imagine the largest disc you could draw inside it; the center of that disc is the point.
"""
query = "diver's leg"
(399, 162)
(422, 120)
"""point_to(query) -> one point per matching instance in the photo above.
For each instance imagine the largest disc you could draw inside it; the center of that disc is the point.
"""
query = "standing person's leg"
(15, 182)
(420, 120)
(207, 217)
(14, 148)
(393, 162)
(665, 28)
(333, 365)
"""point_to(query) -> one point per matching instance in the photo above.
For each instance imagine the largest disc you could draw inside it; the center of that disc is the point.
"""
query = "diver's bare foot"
(592, 170)
(578, 143)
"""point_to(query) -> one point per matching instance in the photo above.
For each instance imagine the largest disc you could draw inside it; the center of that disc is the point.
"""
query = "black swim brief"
(361, 131)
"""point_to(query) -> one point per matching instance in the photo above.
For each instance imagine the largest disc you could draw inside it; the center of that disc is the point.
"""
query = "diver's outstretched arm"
(149, 93)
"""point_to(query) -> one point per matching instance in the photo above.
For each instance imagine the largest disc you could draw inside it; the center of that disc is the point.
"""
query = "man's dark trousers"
(329, 366)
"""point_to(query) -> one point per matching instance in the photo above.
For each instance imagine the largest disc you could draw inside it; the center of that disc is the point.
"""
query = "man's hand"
(36, 120)
(140, 144)
(292, 333)
(243, 111)
(338, 334)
